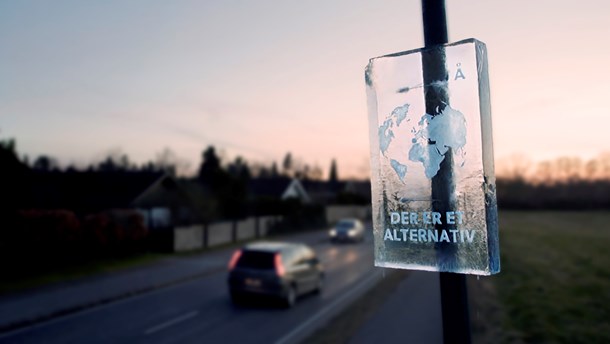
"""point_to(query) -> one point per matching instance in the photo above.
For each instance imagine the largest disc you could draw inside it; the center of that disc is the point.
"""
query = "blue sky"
(262, 78)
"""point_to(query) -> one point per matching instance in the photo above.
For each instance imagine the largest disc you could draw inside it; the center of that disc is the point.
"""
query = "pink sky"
(263, 78)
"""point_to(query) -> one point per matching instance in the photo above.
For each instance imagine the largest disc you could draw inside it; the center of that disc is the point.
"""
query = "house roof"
(88, 191)
(268, 187)
(278, 188)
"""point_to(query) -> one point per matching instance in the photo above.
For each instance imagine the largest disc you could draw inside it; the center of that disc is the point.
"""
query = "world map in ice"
(433, 137)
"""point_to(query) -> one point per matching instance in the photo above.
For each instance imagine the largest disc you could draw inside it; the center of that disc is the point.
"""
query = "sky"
(258, 79)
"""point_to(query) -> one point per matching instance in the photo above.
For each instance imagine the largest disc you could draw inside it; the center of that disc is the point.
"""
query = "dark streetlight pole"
(454, 298)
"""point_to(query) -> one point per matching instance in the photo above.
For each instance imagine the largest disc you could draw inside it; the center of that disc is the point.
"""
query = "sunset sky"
(263, 78)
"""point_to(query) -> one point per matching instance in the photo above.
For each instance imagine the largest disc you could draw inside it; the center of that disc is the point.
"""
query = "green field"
(555, 281)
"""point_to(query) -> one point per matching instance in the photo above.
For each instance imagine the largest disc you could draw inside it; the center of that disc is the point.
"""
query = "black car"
(277, 269)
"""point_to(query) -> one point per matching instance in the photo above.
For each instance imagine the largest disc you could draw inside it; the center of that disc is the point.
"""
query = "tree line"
(562, 183)
(169, 162)
(227, 180)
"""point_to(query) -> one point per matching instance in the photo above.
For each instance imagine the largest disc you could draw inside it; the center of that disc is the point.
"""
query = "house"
(169, 202)
(280, 188)
(87, 192)
(160, 198)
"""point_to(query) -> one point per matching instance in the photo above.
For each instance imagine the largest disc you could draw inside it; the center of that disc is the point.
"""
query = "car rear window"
(256, 260)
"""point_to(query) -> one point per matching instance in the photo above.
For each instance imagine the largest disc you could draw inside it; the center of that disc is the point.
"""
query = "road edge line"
(360, 288)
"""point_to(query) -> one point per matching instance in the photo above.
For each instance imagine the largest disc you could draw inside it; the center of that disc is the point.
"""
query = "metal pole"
(435, 22)
(454, 298)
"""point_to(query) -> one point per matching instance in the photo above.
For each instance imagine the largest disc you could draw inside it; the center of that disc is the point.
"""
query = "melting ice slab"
(432, 160)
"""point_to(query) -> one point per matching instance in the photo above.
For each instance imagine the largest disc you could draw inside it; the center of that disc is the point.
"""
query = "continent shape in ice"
(435, 136)
(400, 169)
(385, 133)
(400, 113)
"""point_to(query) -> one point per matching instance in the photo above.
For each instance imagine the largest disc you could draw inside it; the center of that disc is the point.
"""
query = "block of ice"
(433, 183)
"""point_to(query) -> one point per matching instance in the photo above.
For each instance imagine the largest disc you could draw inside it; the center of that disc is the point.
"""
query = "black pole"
(454, 296)
(435, 22)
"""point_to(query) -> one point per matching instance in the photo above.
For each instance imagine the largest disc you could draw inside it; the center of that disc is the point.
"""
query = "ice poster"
(418, 149)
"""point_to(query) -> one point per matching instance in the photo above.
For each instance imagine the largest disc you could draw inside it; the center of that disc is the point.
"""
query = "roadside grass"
(555, 280)
(344, 325)
(25, 281)
(65, 274)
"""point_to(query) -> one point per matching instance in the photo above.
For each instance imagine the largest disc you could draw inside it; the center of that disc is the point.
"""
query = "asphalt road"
(200, 311)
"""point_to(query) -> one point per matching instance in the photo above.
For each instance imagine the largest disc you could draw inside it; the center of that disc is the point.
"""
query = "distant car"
(281, 270)
(347, 230)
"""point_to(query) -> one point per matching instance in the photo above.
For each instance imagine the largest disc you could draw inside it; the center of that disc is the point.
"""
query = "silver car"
(347, 230)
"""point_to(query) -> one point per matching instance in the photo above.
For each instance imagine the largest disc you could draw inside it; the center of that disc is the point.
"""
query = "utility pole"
(454, 297)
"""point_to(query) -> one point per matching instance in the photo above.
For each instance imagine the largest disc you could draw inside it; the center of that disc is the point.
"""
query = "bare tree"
(168, 161)
(516, 167)
(45, 163)
(288, 165)
(332, 176)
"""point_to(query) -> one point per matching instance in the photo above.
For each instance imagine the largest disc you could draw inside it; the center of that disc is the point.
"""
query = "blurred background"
(142, 142)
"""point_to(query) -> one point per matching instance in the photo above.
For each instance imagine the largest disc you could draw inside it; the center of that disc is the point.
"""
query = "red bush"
(46, 227)
(60, 234)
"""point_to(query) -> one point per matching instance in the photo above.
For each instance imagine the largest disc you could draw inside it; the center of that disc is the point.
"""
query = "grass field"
(555, 281)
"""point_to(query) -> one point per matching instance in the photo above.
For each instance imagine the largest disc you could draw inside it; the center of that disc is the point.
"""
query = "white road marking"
(171, 322)
(323, 311)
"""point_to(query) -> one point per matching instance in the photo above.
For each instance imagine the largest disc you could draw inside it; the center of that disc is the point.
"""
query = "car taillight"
(279, 267)
(234, 259)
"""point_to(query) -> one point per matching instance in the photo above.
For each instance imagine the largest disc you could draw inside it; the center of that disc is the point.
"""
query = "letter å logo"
(459, 74)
